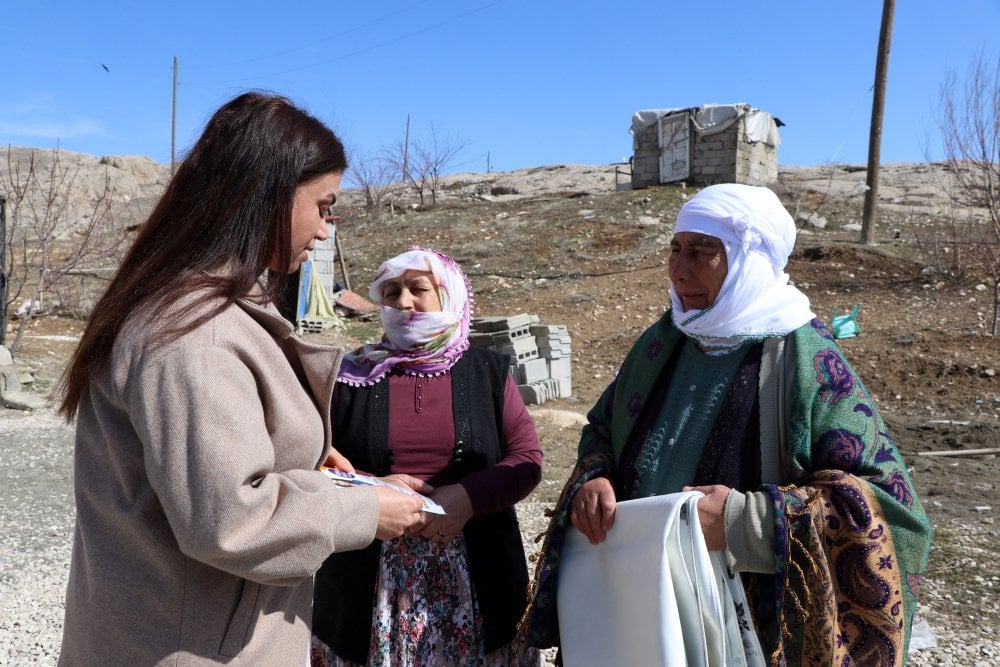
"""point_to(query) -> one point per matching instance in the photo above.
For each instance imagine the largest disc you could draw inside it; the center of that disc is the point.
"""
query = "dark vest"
(345, 584)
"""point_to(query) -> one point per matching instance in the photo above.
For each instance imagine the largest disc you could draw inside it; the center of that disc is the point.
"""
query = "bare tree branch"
(969, 122)
(374, 175)
(51, 232)
(426, 162)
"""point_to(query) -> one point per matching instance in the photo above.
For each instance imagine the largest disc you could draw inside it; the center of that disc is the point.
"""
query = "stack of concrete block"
(323, 257)
(554, 346)
(539, 354)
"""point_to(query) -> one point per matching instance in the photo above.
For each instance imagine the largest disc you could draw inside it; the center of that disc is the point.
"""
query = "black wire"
(313, 44)
(353, 53)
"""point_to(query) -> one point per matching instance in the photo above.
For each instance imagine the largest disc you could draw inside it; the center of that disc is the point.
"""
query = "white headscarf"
(755, 300)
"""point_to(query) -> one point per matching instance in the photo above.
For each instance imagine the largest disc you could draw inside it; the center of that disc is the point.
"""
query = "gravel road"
(37, 520)
(37, 526)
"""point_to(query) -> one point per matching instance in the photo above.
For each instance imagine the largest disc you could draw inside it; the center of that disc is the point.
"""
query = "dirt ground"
(580, 254)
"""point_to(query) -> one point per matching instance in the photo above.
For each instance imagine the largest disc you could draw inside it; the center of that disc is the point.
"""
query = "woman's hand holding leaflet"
(337, 460)
(397, 511)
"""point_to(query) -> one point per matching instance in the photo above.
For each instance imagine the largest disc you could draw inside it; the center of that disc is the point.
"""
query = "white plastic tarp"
(643, 119)
(713, 118)
(760, 126)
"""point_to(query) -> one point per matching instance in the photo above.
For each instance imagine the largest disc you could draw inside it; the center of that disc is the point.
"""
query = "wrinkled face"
(414, 290)
(309, 224)
(698, 266)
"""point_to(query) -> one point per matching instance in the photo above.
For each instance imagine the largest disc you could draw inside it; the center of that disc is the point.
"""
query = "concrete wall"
(645, 158)
(323, 269)
(724, 157)
(323, 258)
(757, 164)
(714, 156)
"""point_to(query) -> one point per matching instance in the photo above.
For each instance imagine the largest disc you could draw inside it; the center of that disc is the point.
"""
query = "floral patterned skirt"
(426, 613)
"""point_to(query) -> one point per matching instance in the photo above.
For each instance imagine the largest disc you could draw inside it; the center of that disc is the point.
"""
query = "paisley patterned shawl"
(851, 537)
(839, 585)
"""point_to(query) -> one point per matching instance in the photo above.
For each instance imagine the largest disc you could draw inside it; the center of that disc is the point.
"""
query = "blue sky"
(520, 82)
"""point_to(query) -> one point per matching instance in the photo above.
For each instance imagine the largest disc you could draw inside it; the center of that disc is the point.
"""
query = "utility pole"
(870, 215)
(173, 125)
(406, 149)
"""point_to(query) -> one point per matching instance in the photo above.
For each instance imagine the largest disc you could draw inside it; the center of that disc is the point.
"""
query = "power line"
(850, 125)
(314, 44)
(353, 53)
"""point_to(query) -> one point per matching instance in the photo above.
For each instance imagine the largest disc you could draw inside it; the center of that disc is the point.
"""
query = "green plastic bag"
(846, 326)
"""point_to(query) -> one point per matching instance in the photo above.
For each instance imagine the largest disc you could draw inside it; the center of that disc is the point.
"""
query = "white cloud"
(31, 103)
(60, 129)
(38, 117)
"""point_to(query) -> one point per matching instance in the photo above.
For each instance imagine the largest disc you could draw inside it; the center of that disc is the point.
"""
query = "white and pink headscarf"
(417, 343)
(756, 300)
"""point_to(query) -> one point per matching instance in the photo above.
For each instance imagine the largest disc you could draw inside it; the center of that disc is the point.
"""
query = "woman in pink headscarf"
(422, 402)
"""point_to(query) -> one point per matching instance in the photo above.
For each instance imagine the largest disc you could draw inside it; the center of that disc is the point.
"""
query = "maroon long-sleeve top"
(422, 439)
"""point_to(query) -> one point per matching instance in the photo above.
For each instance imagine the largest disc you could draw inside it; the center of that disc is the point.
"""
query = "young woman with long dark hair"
(202, 419)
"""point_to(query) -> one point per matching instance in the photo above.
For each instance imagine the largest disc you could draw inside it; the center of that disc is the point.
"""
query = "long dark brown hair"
(224, 215)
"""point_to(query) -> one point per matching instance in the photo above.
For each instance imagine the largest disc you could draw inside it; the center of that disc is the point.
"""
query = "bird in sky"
(105, 67)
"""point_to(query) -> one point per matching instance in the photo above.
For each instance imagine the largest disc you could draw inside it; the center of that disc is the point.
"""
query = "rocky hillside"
(911, 189)
(133, 183)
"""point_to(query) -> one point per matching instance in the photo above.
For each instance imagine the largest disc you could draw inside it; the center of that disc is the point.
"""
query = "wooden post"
(870, 215)
(962, 452)
(340, 257)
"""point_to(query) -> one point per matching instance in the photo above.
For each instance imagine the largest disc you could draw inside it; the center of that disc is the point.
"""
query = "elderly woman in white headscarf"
(738, 391)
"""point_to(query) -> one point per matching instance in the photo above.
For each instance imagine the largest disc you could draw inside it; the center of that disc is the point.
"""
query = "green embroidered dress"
(851, 538)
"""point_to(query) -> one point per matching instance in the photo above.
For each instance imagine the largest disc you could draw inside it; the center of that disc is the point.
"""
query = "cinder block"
(311, 326)
(531, 394)
(565, 387)
(497, 324)
(531, 370)
(481, 340)
(519, 350)
(560, 368)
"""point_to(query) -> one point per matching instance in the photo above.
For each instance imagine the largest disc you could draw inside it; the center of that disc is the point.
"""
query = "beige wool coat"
(200, 513)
